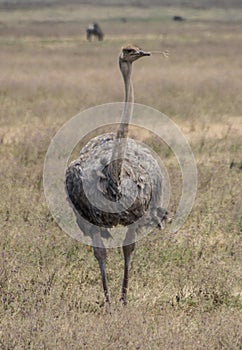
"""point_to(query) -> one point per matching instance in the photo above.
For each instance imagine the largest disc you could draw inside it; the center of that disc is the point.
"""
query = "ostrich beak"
(142, 53)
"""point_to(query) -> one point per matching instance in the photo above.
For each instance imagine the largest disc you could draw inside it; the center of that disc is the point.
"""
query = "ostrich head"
(131, 53)
(128, 55)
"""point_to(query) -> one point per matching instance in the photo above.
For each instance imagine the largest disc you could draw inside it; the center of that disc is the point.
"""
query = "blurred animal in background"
(94, 30)
(178, 18)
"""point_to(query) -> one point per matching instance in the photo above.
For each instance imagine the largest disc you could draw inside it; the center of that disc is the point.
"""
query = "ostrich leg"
(100, 254)
(127, 250)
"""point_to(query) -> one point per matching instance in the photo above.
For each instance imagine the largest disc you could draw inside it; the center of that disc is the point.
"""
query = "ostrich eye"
(129, 50)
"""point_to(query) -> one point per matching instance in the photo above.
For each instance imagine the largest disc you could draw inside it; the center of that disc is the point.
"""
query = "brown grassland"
(185, 289)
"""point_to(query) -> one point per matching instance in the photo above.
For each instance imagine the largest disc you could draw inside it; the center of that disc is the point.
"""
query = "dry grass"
(185, 291)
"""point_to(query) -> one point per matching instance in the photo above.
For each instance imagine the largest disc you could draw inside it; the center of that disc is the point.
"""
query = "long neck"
(122, 131)
(120, 141)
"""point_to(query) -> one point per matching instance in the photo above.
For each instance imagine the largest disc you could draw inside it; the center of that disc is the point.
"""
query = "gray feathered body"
(90, 187)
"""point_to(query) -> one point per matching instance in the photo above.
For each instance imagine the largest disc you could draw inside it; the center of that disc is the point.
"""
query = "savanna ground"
(185, 289)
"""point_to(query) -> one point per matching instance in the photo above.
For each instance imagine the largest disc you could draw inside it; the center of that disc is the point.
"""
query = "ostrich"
(116, 159)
